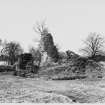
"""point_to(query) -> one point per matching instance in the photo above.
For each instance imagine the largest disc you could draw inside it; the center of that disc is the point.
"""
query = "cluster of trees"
(11, 50)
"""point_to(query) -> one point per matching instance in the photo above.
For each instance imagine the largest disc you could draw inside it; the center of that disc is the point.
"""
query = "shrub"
(6, 68)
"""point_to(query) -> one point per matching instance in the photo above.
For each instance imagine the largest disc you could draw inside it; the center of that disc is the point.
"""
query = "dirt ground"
(18, 89)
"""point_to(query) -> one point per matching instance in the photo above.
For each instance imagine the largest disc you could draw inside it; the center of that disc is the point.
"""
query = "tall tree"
(94, 45)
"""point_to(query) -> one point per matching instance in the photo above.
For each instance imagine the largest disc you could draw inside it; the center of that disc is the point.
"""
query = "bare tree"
(94, 45)
(11, 50)
(36, 55)
(46, 43)
(42, 30)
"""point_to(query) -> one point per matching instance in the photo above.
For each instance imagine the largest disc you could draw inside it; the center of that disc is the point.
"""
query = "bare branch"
(40, 28)
(94, 45)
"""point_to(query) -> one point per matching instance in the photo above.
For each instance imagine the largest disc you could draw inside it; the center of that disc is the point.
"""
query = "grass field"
(18, 89)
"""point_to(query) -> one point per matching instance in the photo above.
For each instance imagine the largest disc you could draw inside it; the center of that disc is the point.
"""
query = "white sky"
(70, 21)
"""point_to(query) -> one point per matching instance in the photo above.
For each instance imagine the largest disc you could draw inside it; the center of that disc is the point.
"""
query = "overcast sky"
(69, 21)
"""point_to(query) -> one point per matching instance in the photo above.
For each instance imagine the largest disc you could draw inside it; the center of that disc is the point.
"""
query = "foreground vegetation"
(17, 89)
